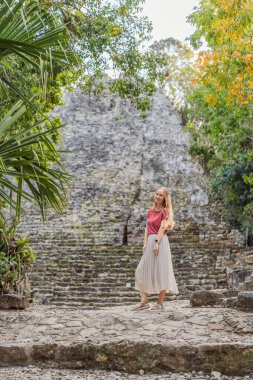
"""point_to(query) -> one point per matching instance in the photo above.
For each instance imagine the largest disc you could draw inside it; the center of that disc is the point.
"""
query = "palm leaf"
(31, 34)
(25, 32)
(11, 117)
(23, 158)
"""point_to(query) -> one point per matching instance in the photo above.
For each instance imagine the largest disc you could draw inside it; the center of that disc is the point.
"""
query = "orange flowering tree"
(227, 66)
(221, 116)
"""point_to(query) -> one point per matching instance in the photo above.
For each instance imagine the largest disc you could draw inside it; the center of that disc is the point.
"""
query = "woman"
(154, 273)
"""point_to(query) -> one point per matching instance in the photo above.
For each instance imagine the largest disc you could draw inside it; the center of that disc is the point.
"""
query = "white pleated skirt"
(155, 273)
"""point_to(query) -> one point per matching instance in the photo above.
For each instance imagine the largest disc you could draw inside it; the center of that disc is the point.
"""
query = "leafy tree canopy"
(104, 35)
(178, 71)
(226, 67)
(221, 109)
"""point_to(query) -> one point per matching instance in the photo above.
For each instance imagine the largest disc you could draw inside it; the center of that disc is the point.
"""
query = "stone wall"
(87, 255)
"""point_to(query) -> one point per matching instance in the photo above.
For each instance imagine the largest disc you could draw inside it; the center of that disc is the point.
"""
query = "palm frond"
(25, 159)
(31, 34)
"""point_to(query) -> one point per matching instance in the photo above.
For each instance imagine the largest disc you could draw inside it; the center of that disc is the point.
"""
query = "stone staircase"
(101, 276)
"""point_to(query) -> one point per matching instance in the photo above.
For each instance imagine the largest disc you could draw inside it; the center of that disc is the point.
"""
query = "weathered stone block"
(230, 302)
(245, 301)
(248, 284)
(13, 301)
(211, 297)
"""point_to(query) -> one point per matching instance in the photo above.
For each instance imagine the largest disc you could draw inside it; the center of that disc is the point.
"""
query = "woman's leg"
(144, 297)
(161, 297)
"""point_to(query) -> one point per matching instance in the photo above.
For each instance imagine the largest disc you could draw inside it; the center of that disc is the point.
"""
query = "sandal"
(141, 306)
(157, 306)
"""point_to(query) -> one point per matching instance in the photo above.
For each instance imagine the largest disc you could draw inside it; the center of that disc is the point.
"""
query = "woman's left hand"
(156, 249)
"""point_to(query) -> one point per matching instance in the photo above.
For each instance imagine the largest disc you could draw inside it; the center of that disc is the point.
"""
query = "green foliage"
(27, 156)
(178, 70)
(23, 35)
(15, 260)
(30, 54)
(232, 183)
(41, 102)
(220, 105)
(102, 36)
(222, 138)
(109, 36)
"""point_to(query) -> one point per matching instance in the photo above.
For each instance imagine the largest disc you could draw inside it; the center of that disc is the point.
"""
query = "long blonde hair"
(168, 205)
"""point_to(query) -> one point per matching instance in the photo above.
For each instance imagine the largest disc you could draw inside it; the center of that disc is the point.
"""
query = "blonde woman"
(154, 273)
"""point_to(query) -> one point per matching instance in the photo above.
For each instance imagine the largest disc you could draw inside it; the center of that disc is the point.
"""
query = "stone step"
(100, 299)
(102, 270)
(92, 261)
(110, 297)
(179, 339)
(95, 279)
(55, 264)
(87, 297)
(84, 279)
(99, 292)
(92, 250)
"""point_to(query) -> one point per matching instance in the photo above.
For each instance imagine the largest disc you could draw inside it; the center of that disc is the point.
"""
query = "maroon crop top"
(154, 220)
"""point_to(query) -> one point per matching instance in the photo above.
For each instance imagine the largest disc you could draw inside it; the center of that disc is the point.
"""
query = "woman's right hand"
(143, 249)
(156, 249)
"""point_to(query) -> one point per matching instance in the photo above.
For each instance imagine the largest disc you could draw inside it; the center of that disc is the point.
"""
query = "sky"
(169, 17)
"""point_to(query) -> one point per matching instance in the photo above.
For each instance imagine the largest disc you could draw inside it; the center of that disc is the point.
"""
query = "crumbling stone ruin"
(87, 256)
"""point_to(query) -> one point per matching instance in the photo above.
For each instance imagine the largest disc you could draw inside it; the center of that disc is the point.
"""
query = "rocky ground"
(174, 344)
(35, 373)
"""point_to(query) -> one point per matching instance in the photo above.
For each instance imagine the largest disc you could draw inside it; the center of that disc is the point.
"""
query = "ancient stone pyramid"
(87, 256)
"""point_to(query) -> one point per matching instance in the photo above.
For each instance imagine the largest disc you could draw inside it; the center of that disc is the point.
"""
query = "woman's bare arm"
(162, 229)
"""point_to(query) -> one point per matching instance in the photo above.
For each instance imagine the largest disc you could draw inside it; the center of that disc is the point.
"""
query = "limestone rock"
(13, 301)
(230, 302)
(215, 375)
(245, 300)
(211, 297)
(248, 284)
